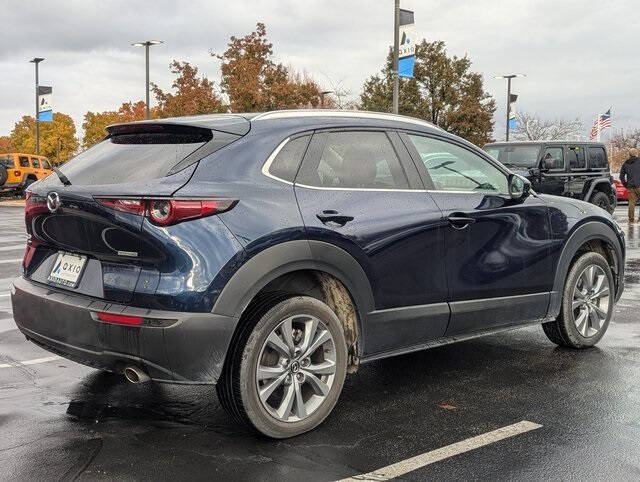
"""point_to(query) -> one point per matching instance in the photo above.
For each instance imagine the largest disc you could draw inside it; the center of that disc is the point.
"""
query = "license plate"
(67, 269)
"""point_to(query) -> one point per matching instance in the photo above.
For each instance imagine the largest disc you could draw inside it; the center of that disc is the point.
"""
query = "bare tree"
(533, 128)
(627, 140)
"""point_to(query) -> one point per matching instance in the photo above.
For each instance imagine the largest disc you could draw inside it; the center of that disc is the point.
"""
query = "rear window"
(6, 161)
(131, 157)
(597, 158)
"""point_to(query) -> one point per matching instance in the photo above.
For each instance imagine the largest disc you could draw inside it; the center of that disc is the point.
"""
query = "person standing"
(630, 178)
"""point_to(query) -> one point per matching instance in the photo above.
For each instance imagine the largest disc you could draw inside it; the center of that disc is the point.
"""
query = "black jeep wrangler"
(564, 168)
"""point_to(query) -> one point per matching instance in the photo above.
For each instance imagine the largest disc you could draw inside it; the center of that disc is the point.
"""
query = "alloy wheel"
(591, 299)
(296, 368)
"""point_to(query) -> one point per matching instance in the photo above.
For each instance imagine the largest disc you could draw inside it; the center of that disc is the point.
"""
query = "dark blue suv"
(270, 254)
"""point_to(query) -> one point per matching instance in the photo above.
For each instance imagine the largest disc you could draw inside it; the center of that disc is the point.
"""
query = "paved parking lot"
(439, 414)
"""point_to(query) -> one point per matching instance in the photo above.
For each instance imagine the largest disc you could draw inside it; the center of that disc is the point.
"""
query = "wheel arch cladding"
(598, 237)
(314, 268)
(598, 185)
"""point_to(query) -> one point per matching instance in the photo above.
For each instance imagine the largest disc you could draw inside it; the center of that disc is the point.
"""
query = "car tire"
(602, 200)
(587, 304)
(271, 383)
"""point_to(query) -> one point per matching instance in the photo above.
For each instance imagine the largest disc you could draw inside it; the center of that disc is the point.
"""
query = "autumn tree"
(5, 145)
(57, 139)
(534, 128)
(95, 123)
(444, 91)
(253, 82)
(193, 95)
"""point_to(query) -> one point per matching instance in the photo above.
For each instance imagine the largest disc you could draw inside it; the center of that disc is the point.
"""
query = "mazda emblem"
(53, 201)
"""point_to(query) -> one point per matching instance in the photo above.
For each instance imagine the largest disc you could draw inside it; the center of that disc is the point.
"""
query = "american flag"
(602, 122)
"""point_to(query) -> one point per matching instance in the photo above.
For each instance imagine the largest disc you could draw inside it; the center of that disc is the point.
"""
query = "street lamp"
(36, 61)
(322, 94)
(508, 77)
(146, 46)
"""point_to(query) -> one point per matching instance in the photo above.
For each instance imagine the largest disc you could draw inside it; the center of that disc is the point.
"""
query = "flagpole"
(598, 126)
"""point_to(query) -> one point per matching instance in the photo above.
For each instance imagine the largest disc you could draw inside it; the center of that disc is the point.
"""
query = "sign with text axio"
(407, 47)
(45, 104)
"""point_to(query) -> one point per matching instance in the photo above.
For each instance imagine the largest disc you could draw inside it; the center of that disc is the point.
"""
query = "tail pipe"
(136, 375)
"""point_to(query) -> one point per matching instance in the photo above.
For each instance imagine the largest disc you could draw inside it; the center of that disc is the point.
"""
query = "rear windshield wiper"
(64, 179)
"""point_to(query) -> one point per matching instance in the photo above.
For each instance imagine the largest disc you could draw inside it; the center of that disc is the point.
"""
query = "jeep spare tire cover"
(3, 175)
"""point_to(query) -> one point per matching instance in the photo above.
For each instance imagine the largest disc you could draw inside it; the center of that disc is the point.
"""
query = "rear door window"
(6, 161)
(35, 162)
(355, 160)
(597, 158)
(131, 157)
(575, 155)
(24, 161)
(287, 161)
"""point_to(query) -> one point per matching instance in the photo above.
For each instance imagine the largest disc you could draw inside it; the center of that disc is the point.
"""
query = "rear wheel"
(587, 304)
(288, 375)
(602, 200)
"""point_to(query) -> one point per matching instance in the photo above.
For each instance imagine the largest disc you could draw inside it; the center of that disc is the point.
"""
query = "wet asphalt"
(61, 420)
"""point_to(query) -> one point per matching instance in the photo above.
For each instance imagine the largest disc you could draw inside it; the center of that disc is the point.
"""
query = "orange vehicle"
(18, 171)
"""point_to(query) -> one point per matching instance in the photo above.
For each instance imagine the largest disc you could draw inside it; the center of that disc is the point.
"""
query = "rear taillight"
(32, 245)
(165, 212)
(16, 173)
(33, 205)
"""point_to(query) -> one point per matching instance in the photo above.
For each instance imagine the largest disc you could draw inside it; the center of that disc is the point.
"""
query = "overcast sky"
(580, 57)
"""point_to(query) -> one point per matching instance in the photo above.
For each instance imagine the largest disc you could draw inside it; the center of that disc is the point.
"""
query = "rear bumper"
(10, 186)
(191, 350)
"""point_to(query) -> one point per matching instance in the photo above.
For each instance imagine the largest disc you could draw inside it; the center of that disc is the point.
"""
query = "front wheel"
(587, 304)
(289, 374)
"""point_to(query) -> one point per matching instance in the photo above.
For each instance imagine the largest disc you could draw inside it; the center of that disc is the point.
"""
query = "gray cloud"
(579, 56)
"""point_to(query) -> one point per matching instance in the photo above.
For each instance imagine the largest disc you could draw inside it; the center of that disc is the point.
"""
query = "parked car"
(18, 171)
(272, 254)
(578, 170)
(621, 192)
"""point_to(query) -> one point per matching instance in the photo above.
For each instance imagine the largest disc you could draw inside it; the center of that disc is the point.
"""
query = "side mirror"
(519, 187)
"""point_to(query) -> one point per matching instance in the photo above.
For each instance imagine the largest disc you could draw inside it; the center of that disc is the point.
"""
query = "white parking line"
(13, 247)
(401, 468)
(2, 295)
(37, 361)
(14, 260)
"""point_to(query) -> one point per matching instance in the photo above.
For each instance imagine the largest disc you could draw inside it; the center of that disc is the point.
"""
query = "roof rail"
(284, 114)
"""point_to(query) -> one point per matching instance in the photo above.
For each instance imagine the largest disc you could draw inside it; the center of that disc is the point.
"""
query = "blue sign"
(407, 47)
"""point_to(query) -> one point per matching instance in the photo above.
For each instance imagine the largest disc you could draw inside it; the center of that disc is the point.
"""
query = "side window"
(24, 161)
(556, 154)
(45, 164)
(286, 163)
(453, 168)
(35, 162)
(352, 159)
(597, 158)
(575, 154)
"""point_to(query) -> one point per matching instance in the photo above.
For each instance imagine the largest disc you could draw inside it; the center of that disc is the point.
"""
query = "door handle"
(460, 221)
(331, 216)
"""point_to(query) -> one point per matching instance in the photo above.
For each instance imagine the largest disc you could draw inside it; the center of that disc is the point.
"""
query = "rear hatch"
(78, 241)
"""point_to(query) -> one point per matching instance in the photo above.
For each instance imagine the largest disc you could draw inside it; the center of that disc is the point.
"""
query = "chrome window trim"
(283, 114)
(326, 188)
(267, 165)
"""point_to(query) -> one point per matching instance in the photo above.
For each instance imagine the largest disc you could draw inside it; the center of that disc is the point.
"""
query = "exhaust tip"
(135, 375)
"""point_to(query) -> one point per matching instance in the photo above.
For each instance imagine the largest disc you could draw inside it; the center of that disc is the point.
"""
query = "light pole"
(322, 94)
(508, 77)
(396, 53)
(146, 44)
(36, 61)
